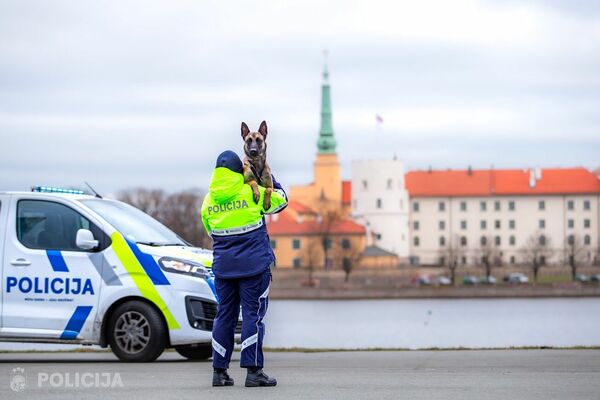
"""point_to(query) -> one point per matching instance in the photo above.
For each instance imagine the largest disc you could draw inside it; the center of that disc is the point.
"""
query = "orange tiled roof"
(346, 192)
(300, 208)
(500, 182)
(285, 224)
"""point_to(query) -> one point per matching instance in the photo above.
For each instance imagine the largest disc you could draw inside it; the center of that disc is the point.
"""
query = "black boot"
(257, 377)
(222, 378)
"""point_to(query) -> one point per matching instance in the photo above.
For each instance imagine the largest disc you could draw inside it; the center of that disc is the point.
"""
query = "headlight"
(183, 267)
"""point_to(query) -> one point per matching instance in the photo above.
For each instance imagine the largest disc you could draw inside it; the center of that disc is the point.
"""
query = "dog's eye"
(249, 141)
(258, 141)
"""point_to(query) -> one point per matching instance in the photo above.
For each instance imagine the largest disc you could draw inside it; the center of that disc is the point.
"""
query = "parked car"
(595, 278)
(582, 278)
(443, 281)
(470, 280)
(516, 277)
(85, 270)
(424, 280)
(488, 280)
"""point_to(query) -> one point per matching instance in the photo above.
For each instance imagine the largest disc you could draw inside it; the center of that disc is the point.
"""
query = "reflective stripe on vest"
(238, 230)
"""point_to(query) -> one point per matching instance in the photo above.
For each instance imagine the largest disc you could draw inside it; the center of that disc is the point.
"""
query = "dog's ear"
(263, 129)
(245, 130)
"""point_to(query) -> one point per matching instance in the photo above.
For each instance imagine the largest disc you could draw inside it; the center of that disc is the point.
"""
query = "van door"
(4, 205)
(51, 287)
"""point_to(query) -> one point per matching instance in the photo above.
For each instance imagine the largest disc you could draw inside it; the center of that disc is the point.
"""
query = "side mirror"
(85, 240)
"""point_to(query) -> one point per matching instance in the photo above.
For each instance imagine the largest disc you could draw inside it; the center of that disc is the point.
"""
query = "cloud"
(147, 93)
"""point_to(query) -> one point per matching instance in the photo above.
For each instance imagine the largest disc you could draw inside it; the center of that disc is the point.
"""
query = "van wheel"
(195, 352)
(136, 332)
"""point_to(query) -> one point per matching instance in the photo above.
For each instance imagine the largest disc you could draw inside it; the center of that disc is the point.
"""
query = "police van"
(82, 269)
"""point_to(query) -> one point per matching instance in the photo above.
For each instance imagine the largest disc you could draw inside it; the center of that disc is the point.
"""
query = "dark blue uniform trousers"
(252, 293)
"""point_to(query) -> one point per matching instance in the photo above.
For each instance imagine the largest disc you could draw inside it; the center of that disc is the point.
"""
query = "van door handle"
(20, 262)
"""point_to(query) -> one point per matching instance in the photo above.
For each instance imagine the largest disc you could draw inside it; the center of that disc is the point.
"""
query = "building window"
(483, 224)
(463, 241)
(586, 223)
(365, 185)
(587, 240)
(511, 224)
(416, 241)
(541, 205)
(483, 241)
(416, 225)
(571, 240)
(378, 236)
(442, 225)
(345, 243)
(463, 206)
(542, 240)
(441, 206)
(273, 244)
(512, 241)
(416, 206)
(442, 241)
(542, 260)
(497, 224)
(586, 205)
(512, 260)
(378, 203)
(571, 224)
(297, 263)
(463, 260)
(463, 224)
(296, 244)
(570, 205)
(542, 224)
(511, 205)
(497, 241)
(497, 206)
(347, 264)
(389, 184)
(482, 206)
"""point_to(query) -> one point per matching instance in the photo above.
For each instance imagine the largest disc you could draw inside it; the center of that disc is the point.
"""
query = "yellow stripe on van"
(140, 278)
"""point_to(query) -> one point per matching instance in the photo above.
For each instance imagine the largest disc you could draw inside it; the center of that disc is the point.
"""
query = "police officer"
(242, 260)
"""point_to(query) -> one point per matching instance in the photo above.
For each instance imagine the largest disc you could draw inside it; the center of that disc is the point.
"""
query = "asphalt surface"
(485, 374)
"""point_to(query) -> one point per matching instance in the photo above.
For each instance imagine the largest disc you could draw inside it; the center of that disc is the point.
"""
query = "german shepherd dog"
(256, 170)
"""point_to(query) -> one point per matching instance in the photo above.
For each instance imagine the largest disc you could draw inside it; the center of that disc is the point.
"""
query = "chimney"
(531, 179)
(469, 171)
(538, 173)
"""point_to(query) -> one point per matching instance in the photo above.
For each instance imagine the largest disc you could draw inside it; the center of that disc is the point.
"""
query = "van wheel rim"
(132, 332)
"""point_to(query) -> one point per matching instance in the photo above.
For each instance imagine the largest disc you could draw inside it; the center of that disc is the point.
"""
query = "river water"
(424, 323)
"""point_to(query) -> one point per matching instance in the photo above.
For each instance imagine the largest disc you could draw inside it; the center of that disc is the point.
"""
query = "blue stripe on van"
(76, 322)
(57, 261)
(149, 264)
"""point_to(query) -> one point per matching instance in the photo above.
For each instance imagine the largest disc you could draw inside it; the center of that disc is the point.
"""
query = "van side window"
(52, 226)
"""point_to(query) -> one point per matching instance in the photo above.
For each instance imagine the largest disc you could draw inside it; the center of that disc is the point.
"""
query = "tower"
(327, 184)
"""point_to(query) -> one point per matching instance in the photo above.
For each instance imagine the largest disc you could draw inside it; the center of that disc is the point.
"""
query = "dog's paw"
(256, 197)
(266, 203)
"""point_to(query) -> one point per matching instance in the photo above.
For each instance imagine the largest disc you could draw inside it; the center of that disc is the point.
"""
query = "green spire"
(326, 143)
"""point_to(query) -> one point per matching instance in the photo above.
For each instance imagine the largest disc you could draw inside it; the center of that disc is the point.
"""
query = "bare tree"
(348, 255)
(311, 257)
(575, 253)
(451, 254)
(178, 211)
(488, 254)
(536, 250)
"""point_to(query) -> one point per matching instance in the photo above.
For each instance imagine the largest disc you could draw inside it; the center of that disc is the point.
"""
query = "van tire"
(136, 332)
(195, 352)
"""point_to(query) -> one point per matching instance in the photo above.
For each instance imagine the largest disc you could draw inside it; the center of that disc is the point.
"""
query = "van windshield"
(134, 224)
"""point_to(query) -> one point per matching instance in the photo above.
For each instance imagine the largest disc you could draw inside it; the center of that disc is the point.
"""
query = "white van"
(86, 270)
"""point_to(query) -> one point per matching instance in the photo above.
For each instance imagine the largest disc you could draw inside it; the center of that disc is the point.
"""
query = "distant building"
(380, 201)
(505, 207)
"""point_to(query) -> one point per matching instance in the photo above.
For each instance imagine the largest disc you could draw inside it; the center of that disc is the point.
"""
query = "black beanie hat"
(230, 160)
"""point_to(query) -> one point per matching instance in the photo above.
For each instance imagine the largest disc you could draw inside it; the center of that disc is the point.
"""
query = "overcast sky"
(147, 93)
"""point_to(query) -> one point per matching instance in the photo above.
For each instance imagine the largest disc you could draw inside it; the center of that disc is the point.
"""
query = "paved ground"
(498, 374)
